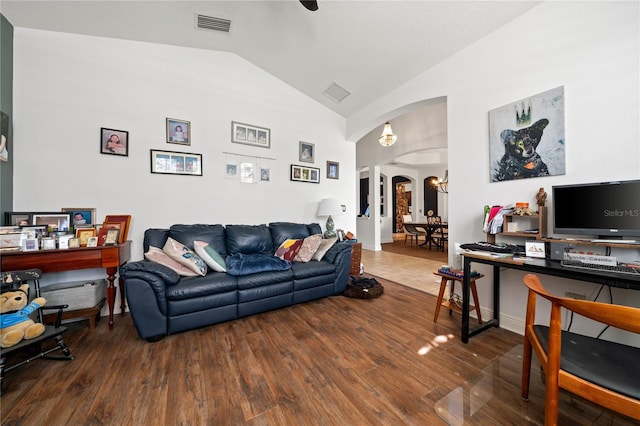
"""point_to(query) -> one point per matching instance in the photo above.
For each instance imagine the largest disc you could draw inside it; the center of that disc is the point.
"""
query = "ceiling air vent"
(212, 23)
(336, 93)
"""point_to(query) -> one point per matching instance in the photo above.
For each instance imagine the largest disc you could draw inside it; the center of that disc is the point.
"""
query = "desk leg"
(111, 293)
(496, 295)
(466, 290)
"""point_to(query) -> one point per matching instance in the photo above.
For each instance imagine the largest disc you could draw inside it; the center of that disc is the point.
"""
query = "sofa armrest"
(149, 271)
(340, 255)
(336, 251)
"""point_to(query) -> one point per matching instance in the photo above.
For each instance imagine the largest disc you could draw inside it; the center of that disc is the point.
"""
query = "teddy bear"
(15, 323)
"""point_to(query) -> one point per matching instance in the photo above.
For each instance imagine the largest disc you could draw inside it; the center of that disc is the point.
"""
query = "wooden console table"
(108, 257)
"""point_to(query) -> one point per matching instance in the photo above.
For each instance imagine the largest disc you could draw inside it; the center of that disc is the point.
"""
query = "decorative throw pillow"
(158, 256)
(309, 247)
(288, 249)
(325, 245)
(185, 256)
(210, 256)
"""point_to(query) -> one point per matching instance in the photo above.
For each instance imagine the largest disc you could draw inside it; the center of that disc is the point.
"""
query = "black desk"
(536, 266)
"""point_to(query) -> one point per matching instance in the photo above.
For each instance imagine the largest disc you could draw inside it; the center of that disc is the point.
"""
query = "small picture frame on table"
(83, 234)
(92, 242)
(30, 244)
(111, 238)
(74, 243)
(48, 243)
(81, 216)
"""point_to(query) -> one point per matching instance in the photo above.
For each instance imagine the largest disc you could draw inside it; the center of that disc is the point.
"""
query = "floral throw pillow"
(309, 247)
(185, 256)
(288, 249)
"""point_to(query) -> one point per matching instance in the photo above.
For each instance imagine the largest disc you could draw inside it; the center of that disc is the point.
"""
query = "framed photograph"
(17, 218)
(74, 242)
(48, 243)
(112, 237)
(54, 220)
(114, 142)
(249, 134)
(81, 216)
(178, 131)
(333, 170)
(231, 171)
(92, 242)
(305, 174)
(30, 244)
(124, 222)
(307, 152)
(265, 174)
(176, 163)
(83, 235)
(63, 241)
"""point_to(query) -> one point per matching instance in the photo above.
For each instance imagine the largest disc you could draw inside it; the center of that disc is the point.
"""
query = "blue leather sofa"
(162, 302)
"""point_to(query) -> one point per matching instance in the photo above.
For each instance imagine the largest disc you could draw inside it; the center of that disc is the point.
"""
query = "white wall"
(69, 86)
(590, 48)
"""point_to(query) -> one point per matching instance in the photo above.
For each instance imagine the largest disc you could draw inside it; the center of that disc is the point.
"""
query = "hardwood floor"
(334, 361)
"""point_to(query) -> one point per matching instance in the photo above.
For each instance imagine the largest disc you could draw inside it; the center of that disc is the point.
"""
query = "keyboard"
(623, 269)
(494, 248)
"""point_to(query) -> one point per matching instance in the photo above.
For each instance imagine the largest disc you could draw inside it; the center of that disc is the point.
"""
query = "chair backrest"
(406, 218)
(588, 373)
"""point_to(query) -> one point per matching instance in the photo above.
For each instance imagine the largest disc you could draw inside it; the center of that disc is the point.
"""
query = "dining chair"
(598, 370)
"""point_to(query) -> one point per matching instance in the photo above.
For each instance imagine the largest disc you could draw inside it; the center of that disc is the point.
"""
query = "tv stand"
(614, 240)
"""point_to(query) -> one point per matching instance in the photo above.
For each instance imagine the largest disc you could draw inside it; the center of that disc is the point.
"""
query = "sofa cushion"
(156, 255)
(211, 257)
(214, 235)
(309, 246)
(245, 264)
(281, 231)
(198, 286)
(266, 279)
(312, 269)
(184, 255)
(288, 249)
(324, 247)
(248, 239)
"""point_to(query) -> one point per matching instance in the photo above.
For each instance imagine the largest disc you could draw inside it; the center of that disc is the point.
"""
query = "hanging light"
(387, 138)
(442, 185)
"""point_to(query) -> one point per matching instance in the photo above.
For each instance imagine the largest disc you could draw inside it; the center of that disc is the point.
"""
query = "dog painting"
(527, 137)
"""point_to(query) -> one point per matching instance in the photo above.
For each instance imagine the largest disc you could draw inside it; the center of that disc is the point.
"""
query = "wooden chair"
(604, 372)
(412, 231)
(438, 234)
(38, 347)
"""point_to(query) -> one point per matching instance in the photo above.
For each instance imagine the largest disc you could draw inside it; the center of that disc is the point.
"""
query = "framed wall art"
(333, 170)
(265, 174)
(305, 174)
(527, 137)
(307, 152)
(249, 134)
(81, 216)
(176, 163)
(178, 131)
(114, 142)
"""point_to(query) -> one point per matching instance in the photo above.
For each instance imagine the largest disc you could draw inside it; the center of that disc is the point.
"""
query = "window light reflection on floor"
(437, 341)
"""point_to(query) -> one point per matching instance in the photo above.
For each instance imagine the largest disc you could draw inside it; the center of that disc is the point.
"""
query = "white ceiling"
(367, 47)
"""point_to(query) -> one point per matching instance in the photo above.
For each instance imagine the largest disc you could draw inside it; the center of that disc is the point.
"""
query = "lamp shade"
(329, 207)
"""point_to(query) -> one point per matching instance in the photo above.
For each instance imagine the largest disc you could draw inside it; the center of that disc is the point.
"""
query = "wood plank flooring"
(335, 361)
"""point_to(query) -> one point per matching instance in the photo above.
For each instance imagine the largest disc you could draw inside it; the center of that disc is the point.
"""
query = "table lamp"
(329, 207)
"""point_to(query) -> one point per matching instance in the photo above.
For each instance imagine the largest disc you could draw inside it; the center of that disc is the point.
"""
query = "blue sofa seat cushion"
(312, 269)
(265, 279)
(212, 283)
(247, 264)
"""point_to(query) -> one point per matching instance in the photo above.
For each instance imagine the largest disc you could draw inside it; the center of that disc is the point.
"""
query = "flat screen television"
(605, 210)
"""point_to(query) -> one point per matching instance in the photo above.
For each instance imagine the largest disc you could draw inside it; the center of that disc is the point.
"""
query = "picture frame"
(305, 174)
(83, 235)
(333, 170)
(307, 152)
(30, 244)
(114, 142)
(56, 220)
(248, 134)
(112, 237)
(17, 218)
(124, 220)
(85, 216)
(48, 243)
(175, 163)
(265, 174)
(92, 241)
(74, 243)
(178, 131)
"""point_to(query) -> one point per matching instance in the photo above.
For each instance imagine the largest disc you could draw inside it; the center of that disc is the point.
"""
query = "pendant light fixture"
(387, 138)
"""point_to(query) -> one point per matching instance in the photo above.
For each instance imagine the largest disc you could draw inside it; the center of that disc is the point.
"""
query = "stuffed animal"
(15, 323)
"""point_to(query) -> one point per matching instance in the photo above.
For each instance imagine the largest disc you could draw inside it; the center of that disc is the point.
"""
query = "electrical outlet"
(575, 294)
